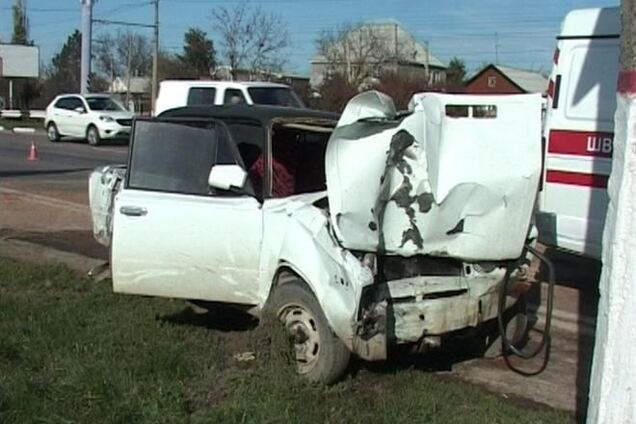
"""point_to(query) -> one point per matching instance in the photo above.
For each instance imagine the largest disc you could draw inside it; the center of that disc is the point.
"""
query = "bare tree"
(251, 39)
(362, 51)
(124, 53)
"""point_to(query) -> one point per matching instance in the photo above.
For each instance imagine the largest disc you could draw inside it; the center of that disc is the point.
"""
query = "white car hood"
(434, 184)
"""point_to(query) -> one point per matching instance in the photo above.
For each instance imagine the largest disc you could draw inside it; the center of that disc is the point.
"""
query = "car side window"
(233, 97)
(201, 96)
(62, 103)
(74, 103)
(177, 157)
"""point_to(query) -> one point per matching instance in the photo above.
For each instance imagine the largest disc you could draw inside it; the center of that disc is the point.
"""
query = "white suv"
(94, 117)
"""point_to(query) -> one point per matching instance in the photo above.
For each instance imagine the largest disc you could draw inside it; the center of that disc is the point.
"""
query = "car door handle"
(133, 210)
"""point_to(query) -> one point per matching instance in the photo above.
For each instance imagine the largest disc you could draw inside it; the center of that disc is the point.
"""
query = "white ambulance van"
(578, 131)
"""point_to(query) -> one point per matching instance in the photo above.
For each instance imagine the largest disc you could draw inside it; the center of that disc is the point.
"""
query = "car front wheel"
(92, 136)
(52, 133)
(320, 355)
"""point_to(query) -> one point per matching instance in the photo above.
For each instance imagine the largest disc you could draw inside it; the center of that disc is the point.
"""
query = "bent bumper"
(410, 309)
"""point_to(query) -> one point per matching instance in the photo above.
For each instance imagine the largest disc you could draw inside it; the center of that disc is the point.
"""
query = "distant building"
(138, 85)
(497, 79)
(396, 50)
(138, 92)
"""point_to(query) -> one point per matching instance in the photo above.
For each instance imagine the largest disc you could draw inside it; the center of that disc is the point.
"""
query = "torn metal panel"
(104, 183)
(367, 105)
(457, 177)
(299, 239)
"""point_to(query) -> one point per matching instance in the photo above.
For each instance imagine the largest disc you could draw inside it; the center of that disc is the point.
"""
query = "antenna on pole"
(496, 48)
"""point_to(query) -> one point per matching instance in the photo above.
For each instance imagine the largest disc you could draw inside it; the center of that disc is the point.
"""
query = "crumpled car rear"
(442, 197)
(455, 178)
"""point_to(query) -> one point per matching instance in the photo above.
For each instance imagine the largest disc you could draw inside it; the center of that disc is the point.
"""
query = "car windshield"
(277, 96)
(103, 103)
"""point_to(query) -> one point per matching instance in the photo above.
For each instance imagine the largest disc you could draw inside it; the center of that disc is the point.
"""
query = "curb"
(24, 130)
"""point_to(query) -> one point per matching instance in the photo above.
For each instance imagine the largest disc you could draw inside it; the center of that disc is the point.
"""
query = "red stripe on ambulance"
(577, 178)
(581, 143)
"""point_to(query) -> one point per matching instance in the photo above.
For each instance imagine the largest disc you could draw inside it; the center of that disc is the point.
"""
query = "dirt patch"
(248, 348)
(74, 241)
(247, 355)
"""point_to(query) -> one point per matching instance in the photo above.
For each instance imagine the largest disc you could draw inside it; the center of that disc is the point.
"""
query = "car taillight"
(555, 57)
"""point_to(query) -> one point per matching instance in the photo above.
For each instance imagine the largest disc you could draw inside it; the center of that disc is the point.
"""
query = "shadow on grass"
(213, 317)
(234, 319)
(402, 358)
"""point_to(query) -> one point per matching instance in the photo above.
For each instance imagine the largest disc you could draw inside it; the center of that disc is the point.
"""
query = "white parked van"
(180, 93)
(579, 131)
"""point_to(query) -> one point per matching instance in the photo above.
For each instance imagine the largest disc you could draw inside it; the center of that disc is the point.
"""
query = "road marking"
(49, 201)
(106, 149)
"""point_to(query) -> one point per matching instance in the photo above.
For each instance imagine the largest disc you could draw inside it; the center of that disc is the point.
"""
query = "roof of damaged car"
(262, 113)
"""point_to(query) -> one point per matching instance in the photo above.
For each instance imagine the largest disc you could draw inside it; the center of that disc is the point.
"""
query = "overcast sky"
(523, 31)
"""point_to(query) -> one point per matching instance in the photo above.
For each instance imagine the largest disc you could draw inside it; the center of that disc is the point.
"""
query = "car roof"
(263, 113)
(84, 95)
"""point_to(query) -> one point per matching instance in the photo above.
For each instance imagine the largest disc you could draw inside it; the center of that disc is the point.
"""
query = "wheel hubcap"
(52, 133)
(91, 137)
(301, 325)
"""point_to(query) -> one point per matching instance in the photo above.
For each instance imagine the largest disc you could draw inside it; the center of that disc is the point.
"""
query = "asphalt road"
(62, 170)
(46, 201)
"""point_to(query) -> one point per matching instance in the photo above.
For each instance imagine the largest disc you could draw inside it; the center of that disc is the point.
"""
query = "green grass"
(71, 351)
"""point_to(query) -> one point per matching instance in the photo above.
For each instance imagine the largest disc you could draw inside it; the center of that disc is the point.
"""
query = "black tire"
(92, 135)
(52, 133)
(324, 360)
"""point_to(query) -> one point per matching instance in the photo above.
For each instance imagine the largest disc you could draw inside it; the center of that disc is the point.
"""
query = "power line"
(122, 23)
(41, 10)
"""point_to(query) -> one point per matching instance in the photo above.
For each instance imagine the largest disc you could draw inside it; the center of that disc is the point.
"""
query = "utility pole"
(395, 47)
(613, 377)
(128, 68)
(87, 27)
(155, 58)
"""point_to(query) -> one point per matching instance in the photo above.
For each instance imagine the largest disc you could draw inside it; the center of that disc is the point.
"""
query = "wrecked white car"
(380, 229)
